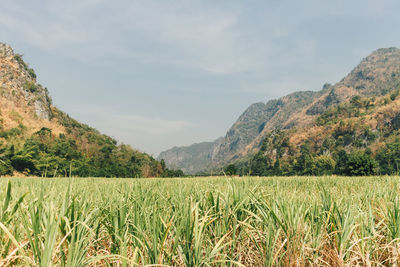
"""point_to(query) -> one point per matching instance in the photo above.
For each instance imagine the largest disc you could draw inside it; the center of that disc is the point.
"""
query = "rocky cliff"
(376, 75)
(36, 138)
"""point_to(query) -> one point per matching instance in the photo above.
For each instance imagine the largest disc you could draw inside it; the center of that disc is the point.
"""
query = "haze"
(157, 74)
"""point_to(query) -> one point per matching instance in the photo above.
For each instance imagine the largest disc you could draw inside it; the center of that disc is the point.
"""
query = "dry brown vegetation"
(12, 116)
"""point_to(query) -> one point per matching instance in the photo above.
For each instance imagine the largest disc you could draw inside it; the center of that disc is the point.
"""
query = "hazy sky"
(159, 73)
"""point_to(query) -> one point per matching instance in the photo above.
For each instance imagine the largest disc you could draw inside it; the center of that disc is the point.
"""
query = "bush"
(20, 60)
(23, 163)
(324, 165)
(30, 86)
(230, 169)
(5, 167)
(31, 73)
(361, 164)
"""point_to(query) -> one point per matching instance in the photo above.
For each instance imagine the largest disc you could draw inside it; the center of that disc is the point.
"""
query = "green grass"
(282, 221)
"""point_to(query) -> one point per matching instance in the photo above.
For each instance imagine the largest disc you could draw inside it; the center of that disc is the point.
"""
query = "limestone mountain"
(355, 137)
(19, 90)
(376, 75)
(191, 159)
(36, 138)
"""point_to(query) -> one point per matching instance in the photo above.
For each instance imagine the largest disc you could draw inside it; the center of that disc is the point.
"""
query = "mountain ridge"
(375, 75)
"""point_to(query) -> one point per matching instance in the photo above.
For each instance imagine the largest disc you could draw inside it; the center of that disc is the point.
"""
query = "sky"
(156, 74)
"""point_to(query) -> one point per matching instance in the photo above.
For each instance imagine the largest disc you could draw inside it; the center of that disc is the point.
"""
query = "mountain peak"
(38, 139)
(6, 50)
(387, 50)
(381, 57)
(18, 84)
(375, 76)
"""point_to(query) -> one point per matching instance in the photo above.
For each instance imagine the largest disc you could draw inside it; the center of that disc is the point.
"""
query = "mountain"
(38, 139)
(191, 159)
(355, 137)
(376, 76)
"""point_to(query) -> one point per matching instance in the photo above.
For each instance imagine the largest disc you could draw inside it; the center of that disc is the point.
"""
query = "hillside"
(38, 139)
(191, 159)
(376, 76)
(356, 137)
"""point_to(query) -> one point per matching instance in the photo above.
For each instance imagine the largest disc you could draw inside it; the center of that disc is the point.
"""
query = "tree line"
(46, 155)
(348, 145)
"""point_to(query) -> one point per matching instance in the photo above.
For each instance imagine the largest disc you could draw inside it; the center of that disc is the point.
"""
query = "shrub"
(31, 73)
(5, 167)
(230, 169)
(324, 165)
(361, 163)
(20, 60)
(30, 86)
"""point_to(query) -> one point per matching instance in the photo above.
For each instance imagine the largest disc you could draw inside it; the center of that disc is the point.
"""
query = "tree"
(305, 163)
(324, 165)
(6, 152)
(5, 167)
(260, 165)
(389, 158)
(341, 162)
(230, 169)
(361, 164)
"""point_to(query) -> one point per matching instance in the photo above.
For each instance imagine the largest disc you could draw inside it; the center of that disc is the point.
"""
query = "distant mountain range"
(375, 78)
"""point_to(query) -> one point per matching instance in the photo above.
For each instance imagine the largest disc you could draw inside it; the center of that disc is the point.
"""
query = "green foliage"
(214, 221)
(389, 158)
(5, 167)
(231, 169)
(43, 154)
(323, 165)
(305, 163)
(361, 164)
(394, 95)
(353, 108)
(13, 132)
(5, 163)
(355, 140)
(260, 165)
(170, 172)
(21, 62)
(341, 162)
(266, 161)
(30, 87)
(319, 160)
(31, 73)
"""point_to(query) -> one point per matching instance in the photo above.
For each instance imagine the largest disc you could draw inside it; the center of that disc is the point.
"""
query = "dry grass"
(13, 115)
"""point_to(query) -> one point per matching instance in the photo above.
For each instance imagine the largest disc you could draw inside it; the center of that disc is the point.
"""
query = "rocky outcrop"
(18, 84)
(376, 75)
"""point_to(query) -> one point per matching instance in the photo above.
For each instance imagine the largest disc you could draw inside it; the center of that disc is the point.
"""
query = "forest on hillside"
(81, 152)
(356, 138)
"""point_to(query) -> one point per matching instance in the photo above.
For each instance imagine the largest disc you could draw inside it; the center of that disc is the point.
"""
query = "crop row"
(294, 221)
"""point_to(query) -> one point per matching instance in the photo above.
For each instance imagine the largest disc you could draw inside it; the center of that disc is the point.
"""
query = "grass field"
(292, 221)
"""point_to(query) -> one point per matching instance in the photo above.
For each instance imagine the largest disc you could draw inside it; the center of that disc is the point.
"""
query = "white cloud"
(371, 9)
(45, 29)
(192, 35)
(199, 36)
